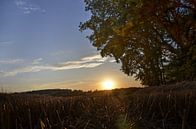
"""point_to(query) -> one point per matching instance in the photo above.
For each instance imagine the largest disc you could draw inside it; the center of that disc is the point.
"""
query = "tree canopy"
(154, 40)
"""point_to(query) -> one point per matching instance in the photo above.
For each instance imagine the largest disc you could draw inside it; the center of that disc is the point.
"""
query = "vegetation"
(153, 39)
(155, 42)
(168, 107)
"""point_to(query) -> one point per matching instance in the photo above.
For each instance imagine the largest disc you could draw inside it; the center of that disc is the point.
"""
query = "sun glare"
(108, 84)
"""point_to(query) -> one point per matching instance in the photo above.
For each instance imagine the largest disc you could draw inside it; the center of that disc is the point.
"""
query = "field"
(166, 107)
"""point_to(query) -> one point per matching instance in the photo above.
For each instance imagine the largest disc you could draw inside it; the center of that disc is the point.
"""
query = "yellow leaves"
(124, 29)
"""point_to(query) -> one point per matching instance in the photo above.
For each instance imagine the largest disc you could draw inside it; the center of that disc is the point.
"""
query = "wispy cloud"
(86, 62)
(2, 43)
(94, 58)
(11, 61)
(37, 61)
(27, 7)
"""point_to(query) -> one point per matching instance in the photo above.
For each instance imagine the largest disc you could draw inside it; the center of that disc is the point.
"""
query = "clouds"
(4, 43)
(35, 66)
(27, 7)
(85, 60)
(94, 58)
(37, 61)
(11, 61)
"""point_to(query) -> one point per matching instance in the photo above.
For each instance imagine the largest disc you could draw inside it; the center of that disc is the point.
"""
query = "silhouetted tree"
(153, 39)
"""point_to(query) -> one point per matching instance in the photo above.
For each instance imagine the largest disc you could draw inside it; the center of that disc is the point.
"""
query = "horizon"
(41, 47)
(95, 90)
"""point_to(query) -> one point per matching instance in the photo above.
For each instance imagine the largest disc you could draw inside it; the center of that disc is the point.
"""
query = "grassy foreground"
(167, 107)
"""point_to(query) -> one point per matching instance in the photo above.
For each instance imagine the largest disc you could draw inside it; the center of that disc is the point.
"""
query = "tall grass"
(150, 108)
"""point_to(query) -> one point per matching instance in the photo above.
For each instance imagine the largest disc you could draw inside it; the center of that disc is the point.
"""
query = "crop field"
(167, 107)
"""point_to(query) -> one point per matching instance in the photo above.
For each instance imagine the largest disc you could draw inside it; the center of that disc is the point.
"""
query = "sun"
(108, 84)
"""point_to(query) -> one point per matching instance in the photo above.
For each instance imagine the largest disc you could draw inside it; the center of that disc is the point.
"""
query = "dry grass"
(150, 108)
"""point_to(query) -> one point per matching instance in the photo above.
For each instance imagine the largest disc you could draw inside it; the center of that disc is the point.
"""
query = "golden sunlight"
(108, 84)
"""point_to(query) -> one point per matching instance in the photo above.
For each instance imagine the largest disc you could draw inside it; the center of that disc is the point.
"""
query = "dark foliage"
(153, 39)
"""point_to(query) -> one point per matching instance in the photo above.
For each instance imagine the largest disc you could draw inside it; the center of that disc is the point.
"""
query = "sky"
(41, 47)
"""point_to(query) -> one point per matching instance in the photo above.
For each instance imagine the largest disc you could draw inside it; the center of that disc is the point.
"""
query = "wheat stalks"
(42, 124)
(48, 122)
(30, 121)
(2, 112)
(184, 119)
(21, 126)
(61, 121)
(86, 125)
(16, 124)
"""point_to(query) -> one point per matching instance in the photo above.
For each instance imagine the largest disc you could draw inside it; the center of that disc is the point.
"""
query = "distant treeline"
(69, 92)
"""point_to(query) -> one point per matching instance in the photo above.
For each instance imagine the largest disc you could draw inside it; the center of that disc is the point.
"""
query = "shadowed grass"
(167, 107)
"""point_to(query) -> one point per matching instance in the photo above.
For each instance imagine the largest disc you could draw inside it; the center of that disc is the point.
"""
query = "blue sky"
(41, 47)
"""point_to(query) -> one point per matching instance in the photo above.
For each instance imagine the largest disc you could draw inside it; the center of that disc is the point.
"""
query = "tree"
(152, 39)
(177, 19)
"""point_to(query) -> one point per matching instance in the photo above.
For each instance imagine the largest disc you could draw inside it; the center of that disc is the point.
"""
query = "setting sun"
(108, 84)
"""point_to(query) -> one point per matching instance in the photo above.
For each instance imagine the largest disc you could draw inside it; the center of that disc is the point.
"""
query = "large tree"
(153, 39)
